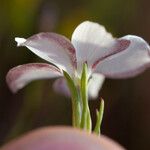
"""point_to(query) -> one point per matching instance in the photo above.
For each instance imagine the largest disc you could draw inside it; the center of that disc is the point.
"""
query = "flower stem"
(76, 103)
(86, 117)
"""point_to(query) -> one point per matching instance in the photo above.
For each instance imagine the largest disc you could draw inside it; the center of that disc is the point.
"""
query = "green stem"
(76, 104)
(86, 117)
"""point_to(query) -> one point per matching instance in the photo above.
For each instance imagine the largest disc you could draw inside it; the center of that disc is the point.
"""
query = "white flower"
(90, 43)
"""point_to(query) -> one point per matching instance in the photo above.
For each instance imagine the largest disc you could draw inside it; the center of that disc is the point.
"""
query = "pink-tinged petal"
(95, 84)
(132, 59)
(116, 47)
(61, 138)
(52, 47)
(61, 87)
(21, 75)
(91, 41)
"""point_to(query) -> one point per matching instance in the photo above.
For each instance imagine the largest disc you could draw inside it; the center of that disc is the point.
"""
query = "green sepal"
(99, 115)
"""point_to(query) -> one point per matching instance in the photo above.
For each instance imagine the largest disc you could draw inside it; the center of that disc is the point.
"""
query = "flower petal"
(90, 41)
(129, 61)
(52, 47)
(95, 84)
(61, 87)
(21, 75)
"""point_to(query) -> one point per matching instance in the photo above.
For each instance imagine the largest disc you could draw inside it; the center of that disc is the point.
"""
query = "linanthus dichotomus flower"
(104, 55)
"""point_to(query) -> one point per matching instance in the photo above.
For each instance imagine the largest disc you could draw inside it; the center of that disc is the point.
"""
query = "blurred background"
(127, 102)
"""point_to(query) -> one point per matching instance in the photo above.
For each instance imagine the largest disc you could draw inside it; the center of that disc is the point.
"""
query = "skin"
(61, 138)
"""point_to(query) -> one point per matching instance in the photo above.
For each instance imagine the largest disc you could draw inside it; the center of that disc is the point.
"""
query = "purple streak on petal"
(58, 39)
(121, 45)
(21, 75)
(126, 63)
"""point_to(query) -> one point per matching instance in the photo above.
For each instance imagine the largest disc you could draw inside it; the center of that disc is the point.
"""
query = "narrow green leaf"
(76, 104)
(99, 115)
(89, 122)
